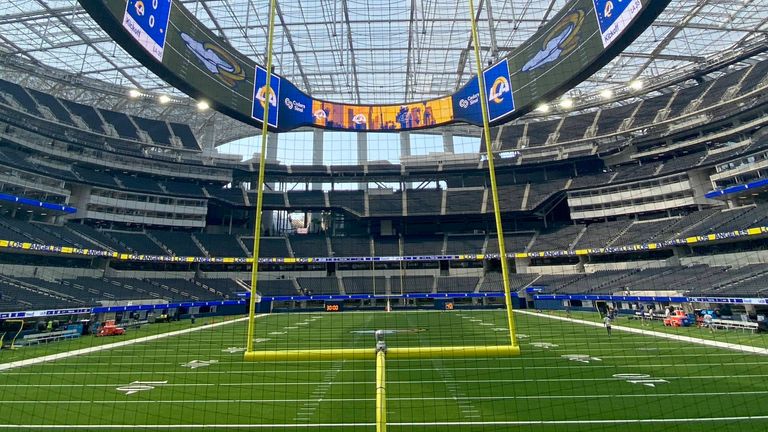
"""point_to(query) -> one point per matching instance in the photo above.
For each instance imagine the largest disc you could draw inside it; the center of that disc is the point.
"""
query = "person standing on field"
(607, 323)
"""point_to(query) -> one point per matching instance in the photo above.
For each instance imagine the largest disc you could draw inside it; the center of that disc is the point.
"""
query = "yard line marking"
(644, 356)
(312, 405)
(716, 344)
(82, 351)
(408, 382)
(313, 401)
(239, 372)
(424, 424)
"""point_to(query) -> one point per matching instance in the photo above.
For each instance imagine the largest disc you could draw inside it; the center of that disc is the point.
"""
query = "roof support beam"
(296, 56)
(345, 10)
(465, 52)
(492, 30)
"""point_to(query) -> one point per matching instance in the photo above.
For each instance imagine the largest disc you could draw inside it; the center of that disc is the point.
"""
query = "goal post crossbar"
(468, 351)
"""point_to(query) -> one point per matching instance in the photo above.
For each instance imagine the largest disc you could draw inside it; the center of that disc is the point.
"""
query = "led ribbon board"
(168, 39)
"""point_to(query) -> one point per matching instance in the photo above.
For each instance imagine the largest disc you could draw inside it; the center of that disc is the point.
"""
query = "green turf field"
(570, 377)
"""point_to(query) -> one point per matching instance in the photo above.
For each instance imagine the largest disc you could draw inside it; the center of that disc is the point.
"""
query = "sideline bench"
(38, 338)
(730, 324)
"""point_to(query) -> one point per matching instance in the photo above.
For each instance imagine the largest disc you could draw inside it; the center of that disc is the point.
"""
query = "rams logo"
(499, 88)
(561, 40)
(216, 60)
(139, 8)
(260, 96)
(359, 119)
(608, 11)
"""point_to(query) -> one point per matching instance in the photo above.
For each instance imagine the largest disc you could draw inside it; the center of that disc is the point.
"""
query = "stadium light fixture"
(606, 93)
(636, 85)
(163, 99)
(566, 103)
(203, 105)
(543, 108)
(133, 93)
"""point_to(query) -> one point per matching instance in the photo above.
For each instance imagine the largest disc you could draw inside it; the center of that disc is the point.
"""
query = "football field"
(571, 376)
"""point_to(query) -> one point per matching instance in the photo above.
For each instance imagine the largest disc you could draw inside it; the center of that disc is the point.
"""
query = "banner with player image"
(147, 22)
(382, 117)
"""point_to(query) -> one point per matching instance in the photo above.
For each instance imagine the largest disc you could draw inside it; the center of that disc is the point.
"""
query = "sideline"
(716, 344)
(83, 351)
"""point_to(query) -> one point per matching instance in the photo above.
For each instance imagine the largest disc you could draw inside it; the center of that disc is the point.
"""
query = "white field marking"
(399, 399)
(83, 351)
(711, 343)
(139, 386)
(219, 426)
(694, 348)
(238, 372)
(468, 410)
(643, 379)
(196, 364)
(580, 358)
(277, 333)
(311, 406)
(545, 345)
(290, 328)
(238, 350)
(230, 350)
(509, 381)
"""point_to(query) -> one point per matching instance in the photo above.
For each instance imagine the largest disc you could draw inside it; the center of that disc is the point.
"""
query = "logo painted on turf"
(643, 379)
(196, 364)
(560, 41)
(140, 386)
(216, 60)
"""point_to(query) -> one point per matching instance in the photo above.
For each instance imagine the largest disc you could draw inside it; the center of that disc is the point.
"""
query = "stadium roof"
(374, 51)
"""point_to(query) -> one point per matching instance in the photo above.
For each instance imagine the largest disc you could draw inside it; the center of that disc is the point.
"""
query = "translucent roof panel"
(377, 51)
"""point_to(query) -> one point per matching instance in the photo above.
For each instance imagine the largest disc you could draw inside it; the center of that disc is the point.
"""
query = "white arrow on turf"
(139, 386)
(643, 379)
(195, 364)
(580, 358)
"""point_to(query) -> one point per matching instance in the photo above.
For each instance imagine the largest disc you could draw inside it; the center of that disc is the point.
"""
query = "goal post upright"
(492, 173)
(260, 182)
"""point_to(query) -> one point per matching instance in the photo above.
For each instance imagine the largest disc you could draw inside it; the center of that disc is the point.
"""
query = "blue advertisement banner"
(260, 99)
(466, 103)
(498, 91)
(295, 107)
(147, 22)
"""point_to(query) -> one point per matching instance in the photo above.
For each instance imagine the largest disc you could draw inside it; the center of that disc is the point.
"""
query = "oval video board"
(165, 37)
